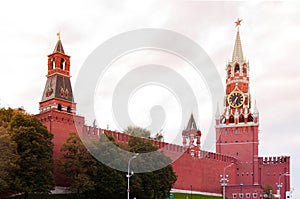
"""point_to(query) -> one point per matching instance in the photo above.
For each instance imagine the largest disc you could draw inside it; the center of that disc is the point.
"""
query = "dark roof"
(191, 124)
(58, 87)
(59, 47)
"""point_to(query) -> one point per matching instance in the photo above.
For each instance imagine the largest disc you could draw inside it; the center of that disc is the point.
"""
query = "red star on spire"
(238, 22)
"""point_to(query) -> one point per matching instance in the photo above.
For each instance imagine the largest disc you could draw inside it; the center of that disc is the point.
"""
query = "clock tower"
(237, 125)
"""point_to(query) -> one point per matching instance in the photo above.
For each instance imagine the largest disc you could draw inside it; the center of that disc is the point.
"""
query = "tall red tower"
(237, 126)
(57, 107)
(58, 91)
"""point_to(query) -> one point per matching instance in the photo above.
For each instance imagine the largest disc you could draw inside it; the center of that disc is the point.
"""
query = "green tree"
(35, 149)
(109, 182)
(9, 156)
(8, 161)
(156, 183)
(88, 177)
(78, 165)
(137, 132)
(102, 181)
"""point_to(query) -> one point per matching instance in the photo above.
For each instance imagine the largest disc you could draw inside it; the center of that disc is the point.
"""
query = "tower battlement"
(95, 132)
(274, 160)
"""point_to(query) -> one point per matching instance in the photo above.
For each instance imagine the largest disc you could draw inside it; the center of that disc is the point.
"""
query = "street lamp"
(241, 191)
(279, 184)
(129, 174)
(224, 179)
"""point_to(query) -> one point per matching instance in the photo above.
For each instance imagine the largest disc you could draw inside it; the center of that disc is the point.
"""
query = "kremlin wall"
(236, 125)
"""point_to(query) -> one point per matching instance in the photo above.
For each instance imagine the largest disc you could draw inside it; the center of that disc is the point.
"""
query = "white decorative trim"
(230, 143)
(238, 80)
(237, 125)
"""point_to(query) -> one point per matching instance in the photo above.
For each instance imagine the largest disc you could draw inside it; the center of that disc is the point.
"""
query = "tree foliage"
(28, 152)
(35, 148)
(88, 177)
(106, 182)
(8, 161)
(155, 183)
(77, 165)
(137, 132)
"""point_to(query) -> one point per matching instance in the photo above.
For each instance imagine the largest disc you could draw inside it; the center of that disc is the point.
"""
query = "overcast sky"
(270, 35)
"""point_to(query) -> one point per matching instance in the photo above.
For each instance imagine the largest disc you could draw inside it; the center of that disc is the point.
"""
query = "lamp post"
(191, 191)
(279, 184)
(129, 174)
(224, 179)
(241, 189)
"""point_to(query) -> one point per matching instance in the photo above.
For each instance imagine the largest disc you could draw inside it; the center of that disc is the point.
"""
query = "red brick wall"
(241, 143)
(202, 173)
(61, 124)
(271, 169)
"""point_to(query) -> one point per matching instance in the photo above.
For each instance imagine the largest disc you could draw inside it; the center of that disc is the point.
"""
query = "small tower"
(193, 136)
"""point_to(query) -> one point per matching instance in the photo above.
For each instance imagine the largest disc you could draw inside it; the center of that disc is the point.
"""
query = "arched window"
(237, 68)
(52, 63)
(62, 63)
(250, 118)
(231, 119)
(69, 109)
(229, 70)
(59, 107)
(245, 71)
(241, 118)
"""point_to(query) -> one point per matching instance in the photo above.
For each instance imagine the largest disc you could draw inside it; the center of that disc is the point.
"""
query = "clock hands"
(236, 99)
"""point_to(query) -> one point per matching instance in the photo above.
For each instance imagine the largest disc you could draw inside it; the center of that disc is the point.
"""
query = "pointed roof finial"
(237, 51)
(59, 47)
(191, 123)
(238, 22)
(58, 35)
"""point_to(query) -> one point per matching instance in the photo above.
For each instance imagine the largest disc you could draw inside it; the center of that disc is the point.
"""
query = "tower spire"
(191, 123)
(59, 47)
(237, 51)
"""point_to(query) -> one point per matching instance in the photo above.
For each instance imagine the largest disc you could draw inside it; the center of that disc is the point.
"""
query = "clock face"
(236, 99)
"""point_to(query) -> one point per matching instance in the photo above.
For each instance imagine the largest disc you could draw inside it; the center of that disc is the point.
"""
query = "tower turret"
(58, 92)
(192, 136)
